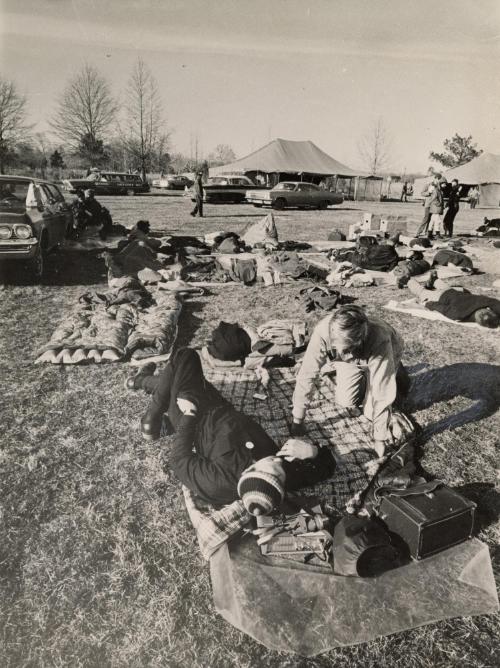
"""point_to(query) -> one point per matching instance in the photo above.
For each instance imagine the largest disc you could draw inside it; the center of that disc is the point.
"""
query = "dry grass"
(99, 564)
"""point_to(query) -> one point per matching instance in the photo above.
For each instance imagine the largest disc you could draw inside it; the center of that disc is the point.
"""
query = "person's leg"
(420, 291)
(199, 205)
(424, 294)
(425, 223)
(182, 378)
(350, 385)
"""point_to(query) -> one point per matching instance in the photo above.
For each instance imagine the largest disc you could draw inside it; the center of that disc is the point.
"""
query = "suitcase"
(429, 518)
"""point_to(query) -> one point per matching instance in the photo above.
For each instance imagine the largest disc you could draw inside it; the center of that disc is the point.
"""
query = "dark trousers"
(182, 378)
(198, 207)
(425, 222)
(448, 220)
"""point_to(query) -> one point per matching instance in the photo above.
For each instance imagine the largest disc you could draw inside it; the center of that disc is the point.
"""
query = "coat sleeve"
(382, 390)
(315, 357)
(214, 480)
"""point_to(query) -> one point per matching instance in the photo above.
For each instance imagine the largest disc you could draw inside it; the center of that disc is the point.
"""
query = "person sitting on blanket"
(219, 452)
(456, 303)
(365, 354)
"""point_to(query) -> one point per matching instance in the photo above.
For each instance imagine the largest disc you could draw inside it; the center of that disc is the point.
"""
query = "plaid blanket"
(343, 430)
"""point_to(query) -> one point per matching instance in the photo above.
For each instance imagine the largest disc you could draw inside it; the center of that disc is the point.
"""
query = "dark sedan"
(34, 219)
(294, 194)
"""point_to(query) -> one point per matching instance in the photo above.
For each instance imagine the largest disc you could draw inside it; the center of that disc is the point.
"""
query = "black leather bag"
(429, 518)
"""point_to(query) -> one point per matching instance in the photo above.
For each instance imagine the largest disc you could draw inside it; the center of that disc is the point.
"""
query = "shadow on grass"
(62, 267)
(478, 382)
(189, 322)
(487, 499)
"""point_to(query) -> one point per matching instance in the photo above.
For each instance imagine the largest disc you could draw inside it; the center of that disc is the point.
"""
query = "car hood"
(10, 217)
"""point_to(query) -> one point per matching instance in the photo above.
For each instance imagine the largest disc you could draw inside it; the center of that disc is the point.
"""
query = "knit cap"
(260, 492)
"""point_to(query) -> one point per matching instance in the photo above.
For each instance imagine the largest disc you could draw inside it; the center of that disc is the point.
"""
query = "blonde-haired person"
(365, 354)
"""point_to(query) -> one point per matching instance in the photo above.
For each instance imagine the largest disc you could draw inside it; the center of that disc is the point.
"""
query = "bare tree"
(374, 148)
(145, 138)
(13, 126)
(222, 154)
(85, 112)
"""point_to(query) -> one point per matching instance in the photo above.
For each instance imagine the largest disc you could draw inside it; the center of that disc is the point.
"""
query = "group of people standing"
(439, 212)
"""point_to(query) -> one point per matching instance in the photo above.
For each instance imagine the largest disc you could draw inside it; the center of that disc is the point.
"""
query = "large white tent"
(282, 156)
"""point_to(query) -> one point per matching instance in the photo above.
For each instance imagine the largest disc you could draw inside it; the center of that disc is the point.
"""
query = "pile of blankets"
(127, 321)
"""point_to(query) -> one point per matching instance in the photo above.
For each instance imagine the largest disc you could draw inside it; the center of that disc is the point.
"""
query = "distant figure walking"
(452, 206)
(404, 192)
(198, 193)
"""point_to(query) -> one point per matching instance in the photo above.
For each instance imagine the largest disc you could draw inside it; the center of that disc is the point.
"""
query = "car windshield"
(285, 186)
(217, 181)
(13, 190)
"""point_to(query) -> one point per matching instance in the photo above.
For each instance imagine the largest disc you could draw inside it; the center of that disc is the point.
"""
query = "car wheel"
(36, 266)
(280, 203)
(258, 206)
(130, 192)
(323, 205)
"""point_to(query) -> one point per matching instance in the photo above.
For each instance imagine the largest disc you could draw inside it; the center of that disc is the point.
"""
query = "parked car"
(173, 182)
(109, 183)
(34, 219)
(230, 188)
(294, 194)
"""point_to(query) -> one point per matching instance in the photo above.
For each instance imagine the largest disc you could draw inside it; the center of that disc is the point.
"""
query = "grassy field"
(99, 565)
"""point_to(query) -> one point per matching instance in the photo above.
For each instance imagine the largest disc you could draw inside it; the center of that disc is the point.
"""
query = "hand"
(187, 407)
(400, 426)
(380, 447)
(295, 448)
(297, 429)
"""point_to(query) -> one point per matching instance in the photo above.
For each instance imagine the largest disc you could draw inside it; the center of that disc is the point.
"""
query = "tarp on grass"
(305, 609)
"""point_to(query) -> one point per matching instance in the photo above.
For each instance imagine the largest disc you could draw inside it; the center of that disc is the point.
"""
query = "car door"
(302, 195)
(54, 220)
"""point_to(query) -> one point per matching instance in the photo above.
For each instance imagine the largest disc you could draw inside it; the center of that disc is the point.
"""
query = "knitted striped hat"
(260, 492)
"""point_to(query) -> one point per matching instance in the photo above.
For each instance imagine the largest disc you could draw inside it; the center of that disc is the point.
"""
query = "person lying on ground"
(365, 354)
(414, 265)
(140, 232)
(444, 257)
(456, 303)
(214, 445)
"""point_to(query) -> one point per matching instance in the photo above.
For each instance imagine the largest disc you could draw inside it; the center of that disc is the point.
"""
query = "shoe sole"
(149, 437)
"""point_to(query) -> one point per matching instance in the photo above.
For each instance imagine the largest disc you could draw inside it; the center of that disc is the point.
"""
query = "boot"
(151, 424)
(135, 382)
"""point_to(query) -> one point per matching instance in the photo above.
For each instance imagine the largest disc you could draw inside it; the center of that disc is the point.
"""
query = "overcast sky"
(242, 72)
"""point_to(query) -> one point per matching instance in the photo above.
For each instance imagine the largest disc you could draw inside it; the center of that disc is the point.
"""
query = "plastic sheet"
(292, 607)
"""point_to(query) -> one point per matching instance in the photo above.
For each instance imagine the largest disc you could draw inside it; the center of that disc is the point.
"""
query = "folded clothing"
(284, 332)
(320, 297)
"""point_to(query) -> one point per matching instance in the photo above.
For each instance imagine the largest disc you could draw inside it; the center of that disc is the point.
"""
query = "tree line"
(94, 129)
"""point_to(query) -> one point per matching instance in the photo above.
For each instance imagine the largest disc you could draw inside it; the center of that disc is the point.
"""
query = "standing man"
(404, 192)
(198, 193)
(452, 207)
